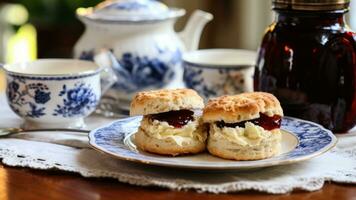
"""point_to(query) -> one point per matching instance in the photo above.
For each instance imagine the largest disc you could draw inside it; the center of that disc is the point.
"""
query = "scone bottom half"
(171, 123)
(244, 126)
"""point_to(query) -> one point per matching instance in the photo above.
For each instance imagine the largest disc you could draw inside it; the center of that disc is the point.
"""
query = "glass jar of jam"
(308, 60)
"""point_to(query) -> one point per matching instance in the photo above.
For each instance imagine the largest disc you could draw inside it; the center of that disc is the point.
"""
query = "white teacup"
(54, 93)
(216, 72)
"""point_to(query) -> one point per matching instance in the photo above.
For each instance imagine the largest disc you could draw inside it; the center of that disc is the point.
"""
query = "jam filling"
(266, 122)
(177, 118)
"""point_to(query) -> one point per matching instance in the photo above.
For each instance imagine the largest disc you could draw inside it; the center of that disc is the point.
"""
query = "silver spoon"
(6, 132)
(76, 140)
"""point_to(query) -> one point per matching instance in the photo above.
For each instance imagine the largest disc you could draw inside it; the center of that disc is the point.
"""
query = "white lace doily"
(339, 165)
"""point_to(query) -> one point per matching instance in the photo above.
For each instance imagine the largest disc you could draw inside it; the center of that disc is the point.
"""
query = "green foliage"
(54, 11)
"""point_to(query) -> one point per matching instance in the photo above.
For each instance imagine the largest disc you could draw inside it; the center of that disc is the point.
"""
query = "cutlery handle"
(6, 132)
(54, 129)
(64, 136)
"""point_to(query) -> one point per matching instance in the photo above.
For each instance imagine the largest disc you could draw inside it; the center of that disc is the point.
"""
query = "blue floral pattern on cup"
(193, 79)
(137, 72)
(215, 81)
(35, 95)
(78, 101)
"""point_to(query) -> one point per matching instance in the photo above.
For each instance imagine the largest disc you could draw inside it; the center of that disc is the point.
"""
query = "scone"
(244, 126)
(171, 121)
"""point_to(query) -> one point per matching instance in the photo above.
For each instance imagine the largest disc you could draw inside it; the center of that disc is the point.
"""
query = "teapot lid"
(130, 11)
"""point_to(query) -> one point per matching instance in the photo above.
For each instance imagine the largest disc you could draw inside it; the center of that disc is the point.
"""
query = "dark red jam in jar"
(266, 122)
(307, 59)
(177, 118)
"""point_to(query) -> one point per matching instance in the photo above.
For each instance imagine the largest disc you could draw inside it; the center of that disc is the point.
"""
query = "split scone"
(244, 126)
(171, 121)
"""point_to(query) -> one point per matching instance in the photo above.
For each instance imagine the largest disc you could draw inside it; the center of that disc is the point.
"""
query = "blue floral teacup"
(55, 93)
(217, 72)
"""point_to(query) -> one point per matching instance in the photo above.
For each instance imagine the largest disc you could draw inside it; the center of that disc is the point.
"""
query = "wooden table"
(21, 183)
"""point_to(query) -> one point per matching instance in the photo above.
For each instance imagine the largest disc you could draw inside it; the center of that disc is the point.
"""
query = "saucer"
(301, 140)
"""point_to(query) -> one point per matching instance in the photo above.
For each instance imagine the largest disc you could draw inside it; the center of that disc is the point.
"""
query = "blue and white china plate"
(302, 140)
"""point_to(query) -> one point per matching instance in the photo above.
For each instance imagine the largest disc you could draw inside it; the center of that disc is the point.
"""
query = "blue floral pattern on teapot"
(141, 35)
(138, 72)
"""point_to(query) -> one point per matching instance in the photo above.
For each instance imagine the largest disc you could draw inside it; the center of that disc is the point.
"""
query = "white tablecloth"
(339, 165)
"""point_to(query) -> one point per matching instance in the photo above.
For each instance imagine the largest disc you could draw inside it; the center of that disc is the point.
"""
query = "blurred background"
(31, 29)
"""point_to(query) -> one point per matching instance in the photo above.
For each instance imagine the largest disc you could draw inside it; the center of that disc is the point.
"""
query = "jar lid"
(130, 10)
(311, 5)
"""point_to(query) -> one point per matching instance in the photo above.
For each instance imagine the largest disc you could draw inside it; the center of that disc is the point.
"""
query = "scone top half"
(257, 107)
(165, 100)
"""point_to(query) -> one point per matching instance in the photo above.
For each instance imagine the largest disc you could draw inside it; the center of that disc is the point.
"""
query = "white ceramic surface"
(53, 93)
(130, 10)
(302, 140)
(234, 58)
(217, 72)
(141, 35)
(53, 67)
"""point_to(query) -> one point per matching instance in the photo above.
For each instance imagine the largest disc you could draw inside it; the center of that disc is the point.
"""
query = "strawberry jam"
(176, 118)
(266, 122)
(307, 59)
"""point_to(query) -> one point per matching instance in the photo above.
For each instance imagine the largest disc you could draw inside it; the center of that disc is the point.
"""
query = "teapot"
(140, 35)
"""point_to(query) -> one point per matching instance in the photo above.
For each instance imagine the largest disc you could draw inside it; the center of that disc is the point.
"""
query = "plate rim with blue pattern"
(115, 139)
